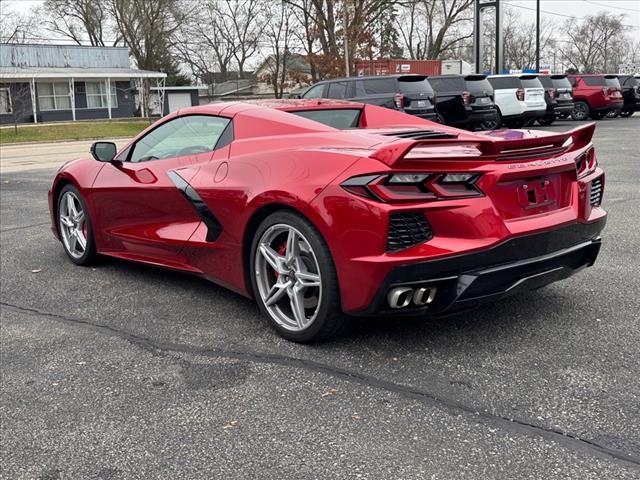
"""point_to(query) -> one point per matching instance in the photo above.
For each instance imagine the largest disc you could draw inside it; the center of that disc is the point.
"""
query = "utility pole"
(537, 36)
(346, 40)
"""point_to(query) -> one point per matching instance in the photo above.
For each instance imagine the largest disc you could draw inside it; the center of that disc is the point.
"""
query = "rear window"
(546, 82)
(375, 86)
(414, 85)
(447, 84)
(340, 118)
(594, 81)
(612, 82)
(504, 82)
(479, 87)
(561, 83)
(530, 83)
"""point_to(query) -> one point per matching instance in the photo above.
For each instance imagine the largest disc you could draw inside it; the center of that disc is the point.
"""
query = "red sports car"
(317, 208)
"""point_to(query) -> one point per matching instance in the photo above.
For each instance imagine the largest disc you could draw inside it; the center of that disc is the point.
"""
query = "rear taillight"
(466, 96)
(553, 93)
(403, 187)
(398, 99)
(586, 162)
(520, 94)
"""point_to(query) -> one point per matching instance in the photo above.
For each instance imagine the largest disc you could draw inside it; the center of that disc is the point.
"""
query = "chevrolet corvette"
(321, 208)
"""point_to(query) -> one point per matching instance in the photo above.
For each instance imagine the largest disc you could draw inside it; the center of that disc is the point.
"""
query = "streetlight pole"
(537, 36)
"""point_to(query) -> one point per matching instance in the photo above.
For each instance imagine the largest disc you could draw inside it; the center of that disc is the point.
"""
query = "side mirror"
(104, 151)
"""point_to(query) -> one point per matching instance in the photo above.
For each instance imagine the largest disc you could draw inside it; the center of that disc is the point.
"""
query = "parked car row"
(488, 102)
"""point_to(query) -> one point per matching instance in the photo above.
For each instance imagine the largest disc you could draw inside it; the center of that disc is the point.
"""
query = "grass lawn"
(72, 131)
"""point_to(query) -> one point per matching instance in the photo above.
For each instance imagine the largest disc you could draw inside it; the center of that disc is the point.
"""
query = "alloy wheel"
(73, 226)
(288, 277)
(580, 111)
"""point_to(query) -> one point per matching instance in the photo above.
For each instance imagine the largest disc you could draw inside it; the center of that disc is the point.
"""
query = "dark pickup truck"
(463, 101)
(557, 95)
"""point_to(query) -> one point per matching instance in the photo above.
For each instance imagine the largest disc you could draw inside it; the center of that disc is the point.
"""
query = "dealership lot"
(125, 371)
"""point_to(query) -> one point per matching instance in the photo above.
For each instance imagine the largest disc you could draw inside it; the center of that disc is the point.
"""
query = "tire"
(613, 114)
(581, 110)
(492, 124)
(74, 226)
(626, 113)
(320, 315)
(547, 120)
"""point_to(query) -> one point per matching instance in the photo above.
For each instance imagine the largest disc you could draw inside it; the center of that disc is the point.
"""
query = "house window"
(97, 95)
(5, 101)
(54, 96)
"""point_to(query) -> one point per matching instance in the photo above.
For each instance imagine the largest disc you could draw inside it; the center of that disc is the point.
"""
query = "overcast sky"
(556, 9)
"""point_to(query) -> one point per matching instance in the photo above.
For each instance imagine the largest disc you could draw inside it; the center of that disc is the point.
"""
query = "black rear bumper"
(521, 263)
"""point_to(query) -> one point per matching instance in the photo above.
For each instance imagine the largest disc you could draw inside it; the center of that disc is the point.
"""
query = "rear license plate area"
(532, 195)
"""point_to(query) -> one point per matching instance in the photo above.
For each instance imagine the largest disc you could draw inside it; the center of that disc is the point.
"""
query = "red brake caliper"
(282, 249)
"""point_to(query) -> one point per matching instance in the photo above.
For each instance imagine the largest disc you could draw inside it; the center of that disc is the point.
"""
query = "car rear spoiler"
(498, 148)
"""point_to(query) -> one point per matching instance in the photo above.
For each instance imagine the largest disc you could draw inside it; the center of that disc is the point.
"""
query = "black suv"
(631, 93)
(408, 93)
(557, 95)
(463, 101)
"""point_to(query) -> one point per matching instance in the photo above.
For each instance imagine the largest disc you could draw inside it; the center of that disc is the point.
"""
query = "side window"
(375, 86)
(338, 90)
(181, 136)
(315, 91)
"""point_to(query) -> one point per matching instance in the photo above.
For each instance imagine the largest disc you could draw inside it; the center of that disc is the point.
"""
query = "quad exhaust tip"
(401, 297)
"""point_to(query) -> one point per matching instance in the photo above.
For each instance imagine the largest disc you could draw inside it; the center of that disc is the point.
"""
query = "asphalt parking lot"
(124, 371)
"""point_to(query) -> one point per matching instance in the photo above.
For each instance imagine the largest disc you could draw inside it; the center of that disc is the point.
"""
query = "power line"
(561, 14)
(611, 6)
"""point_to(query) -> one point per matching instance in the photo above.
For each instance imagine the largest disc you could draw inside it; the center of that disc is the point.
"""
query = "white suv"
(519, 98)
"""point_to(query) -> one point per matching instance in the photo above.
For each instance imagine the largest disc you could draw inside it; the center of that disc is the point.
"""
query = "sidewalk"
(15, 158)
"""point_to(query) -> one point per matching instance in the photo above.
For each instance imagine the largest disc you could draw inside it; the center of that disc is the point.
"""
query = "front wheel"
(74, 226)
(294, 279)
(580, 111)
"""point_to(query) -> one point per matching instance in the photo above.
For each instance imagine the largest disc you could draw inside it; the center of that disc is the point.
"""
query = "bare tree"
(243, 27)
(18, 27)
(431, 28)
(520, 40)
(278, 33)
(202, 45)
(592, 42)
(79, 20)
(19, 103)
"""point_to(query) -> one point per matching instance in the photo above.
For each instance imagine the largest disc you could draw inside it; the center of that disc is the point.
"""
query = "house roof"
(18, 73)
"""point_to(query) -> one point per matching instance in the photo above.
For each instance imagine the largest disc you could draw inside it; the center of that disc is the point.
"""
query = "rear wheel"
(492, 124)
(74, 226)
(626, 113)
(294, 279)
(580, 110)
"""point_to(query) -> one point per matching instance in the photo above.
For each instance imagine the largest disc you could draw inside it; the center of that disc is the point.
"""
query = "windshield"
(479, 87)
(415, 85)
(339, 118)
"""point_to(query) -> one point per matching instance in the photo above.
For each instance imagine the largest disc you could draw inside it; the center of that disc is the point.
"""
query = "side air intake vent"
(407, 230)
(420, 134)
(595, 198)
